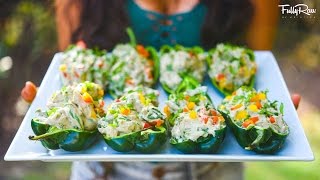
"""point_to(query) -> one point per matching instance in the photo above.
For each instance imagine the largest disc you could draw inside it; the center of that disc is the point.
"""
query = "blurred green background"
(28, 43)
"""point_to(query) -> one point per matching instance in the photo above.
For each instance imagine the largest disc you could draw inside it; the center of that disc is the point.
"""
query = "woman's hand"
(296, 100)
(81, 44)
(29, 92)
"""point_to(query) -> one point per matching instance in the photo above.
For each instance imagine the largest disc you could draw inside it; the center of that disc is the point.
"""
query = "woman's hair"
(226, 21)
(102, 23)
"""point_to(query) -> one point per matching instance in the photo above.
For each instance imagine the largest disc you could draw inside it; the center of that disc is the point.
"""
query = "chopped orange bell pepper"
(236, 107)
(142, 51)
(254, 119)
(87, 98)
(272, 119)
(247, 123)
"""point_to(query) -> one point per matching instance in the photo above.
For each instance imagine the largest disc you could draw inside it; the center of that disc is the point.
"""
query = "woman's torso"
(156, 29)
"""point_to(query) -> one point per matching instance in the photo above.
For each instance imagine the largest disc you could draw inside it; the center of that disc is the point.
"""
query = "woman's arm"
(67, 20)
(262, 29)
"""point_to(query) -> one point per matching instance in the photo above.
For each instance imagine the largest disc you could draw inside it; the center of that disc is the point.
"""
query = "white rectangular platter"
(296, 147)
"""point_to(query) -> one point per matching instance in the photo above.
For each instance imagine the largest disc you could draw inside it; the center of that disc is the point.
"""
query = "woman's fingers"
(296, 100)
(81, 44)
(29, 91)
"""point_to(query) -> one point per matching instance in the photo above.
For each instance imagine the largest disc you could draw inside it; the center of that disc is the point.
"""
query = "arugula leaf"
(232, 70)
(281, 108)
(52, 111)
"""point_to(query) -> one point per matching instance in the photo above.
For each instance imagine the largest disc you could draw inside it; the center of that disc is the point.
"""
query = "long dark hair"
(102, 23)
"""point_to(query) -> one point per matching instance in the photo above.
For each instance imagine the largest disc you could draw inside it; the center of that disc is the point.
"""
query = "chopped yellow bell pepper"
(202, 98)
(63, 68)
(193, 114)
(166, 110)
(253, 107)
(241, 115)
(221, 118)
(262, 96)
(229, 97)
(222, 107)
(125, 111)
(142, 99)
(101, 92)
(83, 89)
(93, 114)
(191, 105)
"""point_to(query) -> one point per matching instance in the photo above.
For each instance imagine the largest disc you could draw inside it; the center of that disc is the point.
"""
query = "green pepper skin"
(207, 145)
(146, 141)
(41, 128)
(66, 139)
(188, 82)
(264, 141)
(154, 56)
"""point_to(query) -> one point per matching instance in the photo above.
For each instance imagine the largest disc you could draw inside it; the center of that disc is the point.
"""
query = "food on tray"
(70, 121)
(134, 65)
(179, 65)
(197, 127)
(134, 122)
(231, 67)
(79, 64)
(256, 122)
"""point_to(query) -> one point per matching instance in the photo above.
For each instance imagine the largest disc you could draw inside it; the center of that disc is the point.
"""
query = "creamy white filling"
(264, 121)
(133, 66)
(173, 63)
(79, 66)
(227, 62)
(186, 128)
(141, 110)
(71, 112)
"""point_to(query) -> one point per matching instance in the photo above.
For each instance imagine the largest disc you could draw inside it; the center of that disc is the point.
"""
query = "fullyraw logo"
(296, 10)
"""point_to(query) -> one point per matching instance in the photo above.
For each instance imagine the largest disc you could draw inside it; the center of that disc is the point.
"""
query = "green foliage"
(291, 170)
(30, 18)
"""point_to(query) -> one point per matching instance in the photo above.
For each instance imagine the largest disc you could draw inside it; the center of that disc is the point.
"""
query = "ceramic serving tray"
(296, 147)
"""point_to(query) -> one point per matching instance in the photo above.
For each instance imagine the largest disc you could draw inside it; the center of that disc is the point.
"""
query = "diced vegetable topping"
(255, 110)
(133, 67)
(80, 64)
(192, 115)
(134, 111)
(175, 64)
(231, 67)
(74, 107)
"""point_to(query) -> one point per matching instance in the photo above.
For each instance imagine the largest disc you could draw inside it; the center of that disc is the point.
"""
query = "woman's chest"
(152, 28)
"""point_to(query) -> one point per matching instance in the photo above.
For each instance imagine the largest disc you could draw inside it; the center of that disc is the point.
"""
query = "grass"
(51, 172)
(292, 170)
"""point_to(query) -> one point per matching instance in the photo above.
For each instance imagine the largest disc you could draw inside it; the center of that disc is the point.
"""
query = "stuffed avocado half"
(70, 121)
(134, 122)
(231, 67)
(256, 122)
(196, 126)
(180, 65)
(79, 65)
